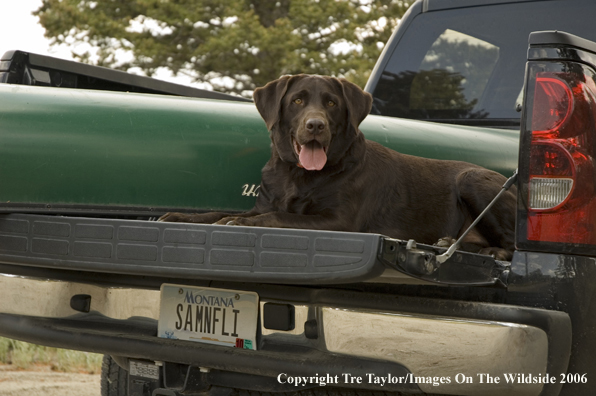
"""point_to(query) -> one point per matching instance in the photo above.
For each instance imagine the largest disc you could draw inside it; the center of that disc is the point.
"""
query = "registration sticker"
(213, 316)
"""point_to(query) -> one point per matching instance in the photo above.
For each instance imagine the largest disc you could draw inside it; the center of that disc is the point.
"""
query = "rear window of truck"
(467, 65)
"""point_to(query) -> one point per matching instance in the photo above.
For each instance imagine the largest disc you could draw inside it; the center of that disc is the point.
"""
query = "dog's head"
(313, 119)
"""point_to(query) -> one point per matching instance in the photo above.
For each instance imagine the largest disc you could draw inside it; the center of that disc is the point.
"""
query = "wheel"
(114, 379)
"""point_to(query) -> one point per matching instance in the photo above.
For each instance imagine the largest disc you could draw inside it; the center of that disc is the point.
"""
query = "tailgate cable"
(445, 256)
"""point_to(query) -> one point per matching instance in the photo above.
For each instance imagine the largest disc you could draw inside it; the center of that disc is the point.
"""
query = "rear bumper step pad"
(195, 251)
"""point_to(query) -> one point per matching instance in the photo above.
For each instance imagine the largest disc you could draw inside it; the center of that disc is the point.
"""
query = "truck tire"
(114, 382)
(114, 379)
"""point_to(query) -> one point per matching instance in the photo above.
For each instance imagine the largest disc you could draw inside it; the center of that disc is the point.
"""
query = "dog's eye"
(298, 101)
(331, 103)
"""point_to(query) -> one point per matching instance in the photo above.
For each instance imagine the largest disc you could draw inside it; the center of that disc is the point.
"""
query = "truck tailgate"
(242, 254)
(183, 250)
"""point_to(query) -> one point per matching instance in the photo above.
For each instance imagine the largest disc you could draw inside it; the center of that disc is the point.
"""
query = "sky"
(19, 30)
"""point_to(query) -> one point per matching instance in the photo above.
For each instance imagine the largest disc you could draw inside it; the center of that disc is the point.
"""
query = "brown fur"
(363, 186)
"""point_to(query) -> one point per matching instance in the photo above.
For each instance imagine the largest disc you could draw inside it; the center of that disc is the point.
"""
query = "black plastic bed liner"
(231, 253)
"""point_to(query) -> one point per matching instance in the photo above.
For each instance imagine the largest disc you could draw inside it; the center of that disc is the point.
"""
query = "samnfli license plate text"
(214, 316)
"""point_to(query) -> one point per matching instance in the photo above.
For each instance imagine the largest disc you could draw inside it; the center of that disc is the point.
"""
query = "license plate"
(213, 316)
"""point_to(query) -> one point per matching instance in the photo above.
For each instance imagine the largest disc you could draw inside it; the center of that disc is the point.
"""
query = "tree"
(235, 45)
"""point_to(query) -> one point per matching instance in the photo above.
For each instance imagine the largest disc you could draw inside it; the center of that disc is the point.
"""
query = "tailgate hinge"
(461, 269)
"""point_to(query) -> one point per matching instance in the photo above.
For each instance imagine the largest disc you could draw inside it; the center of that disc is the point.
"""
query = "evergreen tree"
(246, 42)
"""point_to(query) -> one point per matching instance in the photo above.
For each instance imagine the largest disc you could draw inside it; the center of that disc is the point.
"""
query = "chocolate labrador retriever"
(323, 174)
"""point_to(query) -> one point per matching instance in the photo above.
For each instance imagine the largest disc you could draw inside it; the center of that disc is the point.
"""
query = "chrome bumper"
(448, 355)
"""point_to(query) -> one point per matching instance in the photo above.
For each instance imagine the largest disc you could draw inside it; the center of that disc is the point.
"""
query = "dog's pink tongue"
(312, 156)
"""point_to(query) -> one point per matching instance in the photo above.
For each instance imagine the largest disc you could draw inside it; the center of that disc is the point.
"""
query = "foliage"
(23, 355)
(236, 45)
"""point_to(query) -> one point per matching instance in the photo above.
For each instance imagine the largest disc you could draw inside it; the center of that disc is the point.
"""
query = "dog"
(323, 174)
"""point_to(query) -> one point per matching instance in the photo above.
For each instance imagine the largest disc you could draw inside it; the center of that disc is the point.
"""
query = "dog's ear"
(268, 100)
(358, 102)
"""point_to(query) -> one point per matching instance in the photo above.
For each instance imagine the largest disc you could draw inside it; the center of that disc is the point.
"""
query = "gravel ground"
(43, 381)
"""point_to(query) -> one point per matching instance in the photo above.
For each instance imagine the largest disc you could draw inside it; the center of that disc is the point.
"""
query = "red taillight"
(561, 203)
(552, 105)
(550, 158)
(552, 173)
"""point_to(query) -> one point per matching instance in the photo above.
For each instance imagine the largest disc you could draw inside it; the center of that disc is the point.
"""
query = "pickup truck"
(92, 157)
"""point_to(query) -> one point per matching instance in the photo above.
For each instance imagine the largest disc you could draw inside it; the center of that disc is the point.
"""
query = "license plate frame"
(208, 315)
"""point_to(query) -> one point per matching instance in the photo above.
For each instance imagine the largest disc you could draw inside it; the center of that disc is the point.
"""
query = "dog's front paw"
(445, 242)
(228, 221)
(235, 221)
(173, 217)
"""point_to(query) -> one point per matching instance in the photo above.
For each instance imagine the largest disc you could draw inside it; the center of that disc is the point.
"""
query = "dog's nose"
(315, 125)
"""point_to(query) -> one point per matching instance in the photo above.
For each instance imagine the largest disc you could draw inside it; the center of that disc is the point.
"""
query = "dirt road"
(45, 382)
